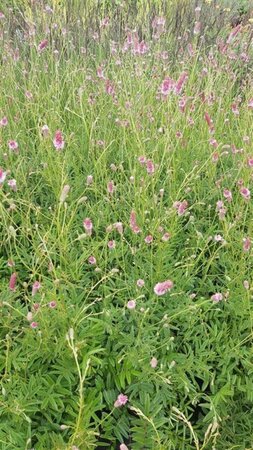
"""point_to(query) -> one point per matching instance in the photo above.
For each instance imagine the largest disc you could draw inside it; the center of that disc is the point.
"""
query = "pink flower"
(150, 166)
(197, 28)
(13, 145)
(245, 192)
(140, 283)
(52, 304)
(45, 131)
(167, 86)
(88, 226)
(153, 363)
(250, 103)
(92, 260)
(131, 304)
(121, 400)
(142, 159)
(148, 239)
(163, 287)
(123, 447)
(213, 142)
(4, 122)
(110, 187)
(42, 45)
(180, 82)
(250, 161)
(64, 193)
(111, 245)
(166, 237)
(133, 225)
(58, 140)
(246, 284)
(217, 297)
(100, 73)
(246, 244)
(109, 88)
(12, 283)
(235, 109)
(89, 180)
(180, 207)
(36, 286)
(34, 324)
(233, 33)
(227, 194)
(208, 121)
(12, 184)
(2, 176)
(215, 157)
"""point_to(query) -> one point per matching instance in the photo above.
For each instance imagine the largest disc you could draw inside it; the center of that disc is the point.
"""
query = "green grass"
(60, 380)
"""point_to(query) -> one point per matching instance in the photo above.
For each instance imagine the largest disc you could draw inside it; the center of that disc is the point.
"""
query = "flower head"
(163, 287)
(121, 400)
(58, 140)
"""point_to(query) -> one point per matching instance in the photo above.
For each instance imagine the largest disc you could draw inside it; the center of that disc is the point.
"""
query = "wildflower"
(163, 287)
(58, 140)
(250, 103)
(133, 225)
(245, 192)
(166, 237)
(89, 180)
(140, 283)
(123, 447)
(121, 400)
(228, 195)
(246, 244)
(153, 363)
(45, 131)
(110, 187)
(13, 145)
(142, 159)
(119, 227)
(2, 176)
(64, 193)
(92, 260)
(10, 263)
(217, 297)
(88, 226)
(167, 86)
(150, 167)
(246, 284)
(29, 316)
(148, 239)
(233, 33)
(4, 122)
(12, 283)
(34, 324)
(180, 83)
(52, 304)
(36, 286)
(111, 245)
(250, 161)
(215, 157)
(197, 27)
(209, 121)
(42, 45)
(100, 73)
(180, 207)
(109, 88)
(131, 304)
(235, 109)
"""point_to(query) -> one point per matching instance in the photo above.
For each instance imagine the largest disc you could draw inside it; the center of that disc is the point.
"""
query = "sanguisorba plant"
(126, 227)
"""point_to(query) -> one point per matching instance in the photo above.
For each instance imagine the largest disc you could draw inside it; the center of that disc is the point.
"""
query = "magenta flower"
(180, 83)
(88, 226)
(58, 140)
(142, 159)
(163, 287)
(246, 244)
(92, 260)
(121, 400)
(13, 145)
(42, 45)
(250, 161)
(35, 287)
(217, 297)
(227, 194)
(245, 192)
(12, 283)
(153, 363)
(180, 207)
(4, 122)
(34, 325)
(131, 304)
(167, 86)
(52, 304)
(150, 167)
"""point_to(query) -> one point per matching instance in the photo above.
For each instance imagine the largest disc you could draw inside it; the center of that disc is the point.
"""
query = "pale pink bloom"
(218, 238)
(235, 109)
(88, 226)
(150, 166)
(104, 22)
(167, 86)
(12, 184)
(163, 287)
(140, 283)
(121, 400)
(142, 159)
(10, 263)
(92, 260)
(219, 205)
(13, 145)
(109, 88)
(36, 306)
(29, 316)
(197, 28)
(113, 167)
(217, 297)
(111, 245)
(100, 73)
(52, 304)
(227, 194)
(250, 161)
(245, 192)
(246, 284)
(179, 134)
(250, 103)
(42, 45)
(34, 324)
(182, 104)
(213, 142)
(110, 187)
(180, 82)
(166, 237)
(119, 227)
(123, 447)
(45, 131)
(29, 95)
(64, 193)
(153, 363)
(4, 122)
(131, 304)
(89, 180)
(133, 225)
(180, 207)
(215, 157)
(222, 213)
(12, 283)
(35, 287)
(246, 244)
(2, 176)
(148, 239)
(58, 140)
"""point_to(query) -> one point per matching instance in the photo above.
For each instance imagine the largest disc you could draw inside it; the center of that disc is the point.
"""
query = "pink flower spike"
(131, 304)
(34, 324)
(121, 400)
(58, 140)
(42, 45)
(12, 283)
(150, 167)
(142, 159)
(163, 287)
(110, 187)
(246, 244)
(36, 286)
(217, 297)
(64, 193)
(88, 226)
(245, 192)
(153, 363)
